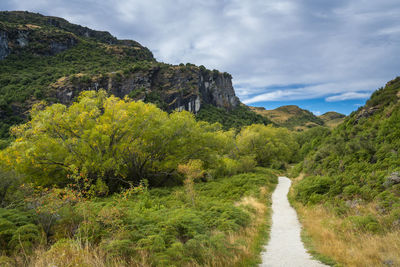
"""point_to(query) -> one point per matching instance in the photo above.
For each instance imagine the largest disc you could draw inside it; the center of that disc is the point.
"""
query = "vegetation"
(332, 119)
(100, 182)
(353, 179)
(236, 118)
(291, 117)
(25, 77)
(107, 181)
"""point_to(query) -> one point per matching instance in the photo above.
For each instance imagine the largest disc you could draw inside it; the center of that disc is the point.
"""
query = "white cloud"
(345, 91)
(347, 96)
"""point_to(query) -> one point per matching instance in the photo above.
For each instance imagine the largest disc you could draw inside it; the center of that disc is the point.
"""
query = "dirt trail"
(285, 247)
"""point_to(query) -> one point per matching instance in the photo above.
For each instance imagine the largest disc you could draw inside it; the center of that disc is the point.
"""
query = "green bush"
(163, 225)
(25, 238)
(313, 189)
(366, 223)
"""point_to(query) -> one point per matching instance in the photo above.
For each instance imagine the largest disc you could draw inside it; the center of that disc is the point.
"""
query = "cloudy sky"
(321, 55)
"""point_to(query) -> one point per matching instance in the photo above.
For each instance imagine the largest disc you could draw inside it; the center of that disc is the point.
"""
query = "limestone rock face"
(4, 49)
(14, 40)
(170, 87)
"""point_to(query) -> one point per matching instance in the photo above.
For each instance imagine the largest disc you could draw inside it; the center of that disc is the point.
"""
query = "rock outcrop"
(16, 40)
(44, 35)
(171, 87)
(4, 49)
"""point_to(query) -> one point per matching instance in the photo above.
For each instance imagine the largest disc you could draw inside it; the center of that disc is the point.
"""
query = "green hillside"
(332, 119)
(352, 179)
(35, 62)
(291, 117)
(50, 59)
(362, 152)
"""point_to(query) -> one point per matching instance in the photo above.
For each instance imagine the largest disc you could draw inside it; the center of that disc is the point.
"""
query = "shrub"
(312, 189)
(25, 238)
(366, 223)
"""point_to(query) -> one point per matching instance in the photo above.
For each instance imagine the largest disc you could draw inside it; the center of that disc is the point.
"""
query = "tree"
(270, 146)
(118, 141)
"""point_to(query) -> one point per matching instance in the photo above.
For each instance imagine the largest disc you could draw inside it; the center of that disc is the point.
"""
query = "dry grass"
(31, 26)
(348, 247)
(249, 237)
(71, 254)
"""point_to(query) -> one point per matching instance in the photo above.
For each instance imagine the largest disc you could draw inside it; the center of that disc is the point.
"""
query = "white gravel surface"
(285, 247)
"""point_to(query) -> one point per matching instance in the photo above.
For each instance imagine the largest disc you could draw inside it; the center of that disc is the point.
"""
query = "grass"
(330, 239)
(226, 226)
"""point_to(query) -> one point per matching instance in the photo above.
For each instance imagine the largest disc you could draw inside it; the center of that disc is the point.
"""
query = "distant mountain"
(332, 118)
(48, 58)
(291, 117)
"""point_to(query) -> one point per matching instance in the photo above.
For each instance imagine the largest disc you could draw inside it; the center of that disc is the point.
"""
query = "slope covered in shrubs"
(352, 177)
(112, 181)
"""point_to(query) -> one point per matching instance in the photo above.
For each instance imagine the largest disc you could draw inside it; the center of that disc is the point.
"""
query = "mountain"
(332, 118)
(291, 117)
(48, 58)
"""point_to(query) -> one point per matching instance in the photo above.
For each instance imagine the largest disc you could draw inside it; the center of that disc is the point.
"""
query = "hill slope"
(353, 182)
(354, 177)
(332, 118)
(48, 58)
(291, 117)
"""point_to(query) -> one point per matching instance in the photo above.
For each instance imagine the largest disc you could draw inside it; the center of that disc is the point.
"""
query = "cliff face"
(48, 58)
(26, 39)
(43, 35)
(171, 87)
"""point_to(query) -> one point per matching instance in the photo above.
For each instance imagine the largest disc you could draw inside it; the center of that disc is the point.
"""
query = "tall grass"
(332, 239)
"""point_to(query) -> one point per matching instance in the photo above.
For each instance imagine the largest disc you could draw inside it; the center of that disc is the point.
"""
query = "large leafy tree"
(269, 145)
(117, 141)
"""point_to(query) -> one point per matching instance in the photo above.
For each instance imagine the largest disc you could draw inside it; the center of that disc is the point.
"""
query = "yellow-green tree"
(269, 145)
(118, 141)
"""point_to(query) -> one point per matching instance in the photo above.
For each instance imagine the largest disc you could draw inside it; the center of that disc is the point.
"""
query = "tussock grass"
(332, 240)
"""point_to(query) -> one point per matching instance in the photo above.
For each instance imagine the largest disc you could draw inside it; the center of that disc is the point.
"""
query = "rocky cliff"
(171, 87)
(48, 58)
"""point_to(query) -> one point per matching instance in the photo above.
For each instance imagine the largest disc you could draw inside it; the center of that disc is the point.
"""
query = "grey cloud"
(332, 47)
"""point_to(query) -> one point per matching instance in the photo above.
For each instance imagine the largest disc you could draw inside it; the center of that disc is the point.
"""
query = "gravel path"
(285, 247)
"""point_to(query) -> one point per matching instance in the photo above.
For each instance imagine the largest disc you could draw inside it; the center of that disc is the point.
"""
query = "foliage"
(236, 118)
(29, 70)
(270, 146)
(18, 233)
(9, 183)
(356, 162)
(193, 170)
(159, 223)
(117, 141)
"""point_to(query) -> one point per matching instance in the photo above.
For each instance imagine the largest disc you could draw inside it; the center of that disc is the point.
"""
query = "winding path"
(285, 247)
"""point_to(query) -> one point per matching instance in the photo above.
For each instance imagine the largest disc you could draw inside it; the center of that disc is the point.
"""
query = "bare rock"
(393, 179)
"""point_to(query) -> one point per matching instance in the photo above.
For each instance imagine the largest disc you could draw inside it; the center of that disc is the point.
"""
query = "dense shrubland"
(111, 181)
(352, 176)
(236, 118)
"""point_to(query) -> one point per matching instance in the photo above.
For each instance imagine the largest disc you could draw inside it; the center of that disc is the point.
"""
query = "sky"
(321, 55)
